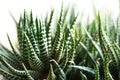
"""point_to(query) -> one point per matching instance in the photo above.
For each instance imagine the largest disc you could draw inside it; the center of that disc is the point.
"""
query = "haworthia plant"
(72, 52)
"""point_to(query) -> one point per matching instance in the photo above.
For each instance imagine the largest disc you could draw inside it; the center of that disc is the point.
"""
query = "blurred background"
(42, 7)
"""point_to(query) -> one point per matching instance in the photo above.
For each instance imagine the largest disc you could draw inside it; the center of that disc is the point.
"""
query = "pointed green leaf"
(51, 75)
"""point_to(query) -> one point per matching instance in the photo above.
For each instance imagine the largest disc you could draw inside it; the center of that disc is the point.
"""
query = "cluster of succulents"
(72, 52)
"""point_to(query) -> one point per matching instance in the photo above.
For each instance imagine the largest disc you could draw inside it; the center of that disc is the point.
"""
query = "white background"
(40, 7)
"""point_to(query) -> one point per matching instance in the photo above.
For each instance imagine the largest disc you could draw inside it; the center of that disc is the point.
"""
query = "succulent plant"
(72, 52)
(39, 55)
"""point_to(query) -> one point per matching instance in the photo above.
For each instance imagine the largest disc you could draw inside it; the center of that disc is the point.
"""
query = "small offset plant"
(72, 52)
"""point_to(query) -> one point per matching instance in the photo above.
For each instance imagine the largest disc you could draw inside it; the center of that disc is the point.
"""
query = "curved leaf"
(87, 69)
